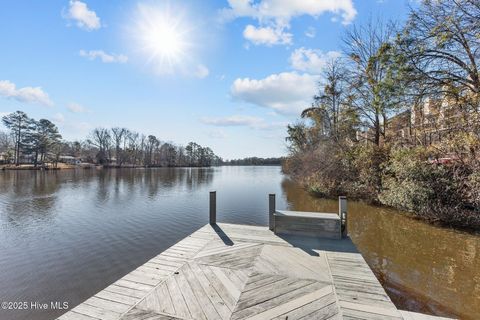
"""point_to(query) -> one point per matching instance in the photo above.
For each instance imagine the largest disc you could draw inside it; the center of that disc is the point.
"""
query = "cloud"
(242, 121)
(103, 56)
(58, 118)
(201, 71)
(311, 32)
(26, 94)
(266, 35)
(232, 121)
(311, 60)
(287, 92)
(217, 134)
(275, 15)
(281, 10)
(85, 18)
(76, 108)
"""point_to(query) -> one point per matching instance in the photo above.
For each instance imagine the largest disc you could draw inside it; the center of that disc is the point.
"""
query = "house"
(70, 160)
(4, 158)
(424, 124)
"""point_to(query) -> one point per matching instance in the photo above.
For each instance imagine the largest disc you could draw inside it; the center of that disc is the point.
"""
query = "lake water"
(65, 235)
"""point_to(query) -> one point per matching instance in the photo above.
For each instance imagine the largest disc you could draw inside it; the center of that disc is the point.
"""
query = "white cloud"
(103, 56)
(76, 108)
(232, 121)
(242, 121)
(84, 17)
(217, 134)
(58, 118)
(35, 95)
(311, 60)
(287, 92)
(275, 15)
(266, 35)
(282, 10)
(201, 71)
(311, 32)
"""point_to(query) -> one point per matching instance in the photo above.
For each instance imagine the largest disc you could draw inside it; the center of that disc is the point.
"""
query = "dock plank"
(236, 272)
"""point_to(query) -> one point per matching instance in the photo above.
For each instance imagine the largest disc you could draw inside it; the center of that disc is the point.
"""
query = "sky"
(226, 74)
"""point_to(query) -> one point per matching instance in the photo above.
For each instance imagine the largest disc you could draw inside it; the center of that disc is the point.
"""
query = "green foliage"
(367, 161)
(473, 188)
(407, 181)
(392, 162)
(39, 142)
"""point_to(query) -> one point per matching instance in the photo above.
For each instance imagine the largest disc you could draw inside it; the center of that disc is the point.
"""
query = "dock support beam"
(342, 212)
(213, 207)
(271, 211)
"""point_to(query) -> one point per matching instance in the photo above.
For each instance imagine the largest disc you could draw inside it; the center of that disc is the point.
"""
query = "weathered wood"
(227, 272)
(213, 207)
(134, 293)
(271, 211)
(342, 213)
(319, 225)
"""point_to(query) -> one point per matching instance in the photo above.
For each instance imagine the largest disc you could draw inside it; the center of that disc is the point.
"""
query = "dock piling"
(213, 207)
(342, 212)
(271, 211)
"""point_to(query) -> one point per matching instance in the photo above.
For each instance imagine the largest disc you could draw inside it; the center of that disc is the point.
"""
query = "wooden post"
(271, 211)
(342, 212)
(213, 207)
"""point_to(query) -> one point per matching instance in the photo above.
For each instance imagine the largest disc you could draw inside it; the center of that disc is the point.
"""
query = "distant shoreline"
(63, 166)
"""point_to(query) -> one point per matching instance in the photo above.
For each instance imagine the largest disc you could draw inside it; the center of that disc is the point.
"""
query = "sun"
(162, 36)
(164, 40)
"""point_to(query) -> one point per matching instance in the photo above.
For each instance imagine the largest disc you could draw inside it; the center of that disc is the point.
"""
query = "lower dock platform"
(227, 271)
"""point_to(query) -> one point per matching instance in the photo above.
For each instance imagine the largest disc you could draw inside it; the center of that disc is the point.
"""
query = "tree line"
(254, 161)
(399, 101)
(38, 142)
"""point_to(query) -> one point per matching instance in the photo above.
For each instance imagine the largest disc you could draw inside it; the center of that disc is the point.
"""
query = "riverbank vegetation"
(254, 161)
(37, 143)
(396, 120)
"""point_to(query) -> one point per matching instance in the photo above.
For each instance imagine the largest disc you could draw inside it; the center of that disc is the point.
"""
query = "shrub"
(401, 177)
(431, 191)
(366, 162)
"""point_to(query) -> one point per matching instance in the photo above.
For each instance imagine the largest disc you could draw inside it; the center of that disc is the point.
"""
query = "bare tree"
(366, 46)
(330, 110)
(441, 42)
(100, 138)
(118, 135)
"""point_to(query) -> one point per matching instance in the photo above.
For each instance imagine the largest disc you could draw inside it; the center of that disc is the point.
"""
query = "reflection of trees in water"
(34, 194)
(197, 177)
(123, 184)
(30, 195)
(428, 260)
(422, 266)
(103, 184)
(298, 199)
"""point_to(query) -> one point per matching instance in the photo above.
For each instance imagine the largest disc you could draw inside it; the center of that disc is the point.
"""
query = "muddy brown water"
(65, 235)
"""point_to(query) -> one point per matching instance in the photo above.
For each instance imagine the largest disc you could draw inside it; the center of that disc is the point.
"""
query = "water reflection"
(423, 267)
(66, 235)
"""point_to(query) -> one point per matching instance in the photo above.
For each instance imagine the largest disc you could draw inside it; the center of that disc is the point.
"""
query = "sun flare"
(162, 36)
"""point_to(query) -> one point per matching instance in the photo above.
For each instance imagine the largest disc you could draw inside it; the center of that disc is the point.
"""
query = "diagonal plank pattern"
(244, 272)
(246, 281)
(293, 262)
(197, 292)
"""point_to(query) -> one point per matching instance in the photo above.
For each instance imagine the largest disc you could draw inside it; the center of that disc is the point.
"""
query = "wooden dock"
(226, 271)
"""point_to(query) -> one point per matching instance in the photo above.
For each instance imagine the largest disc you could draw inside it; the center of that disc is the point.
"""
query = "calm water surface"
(66, 235)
